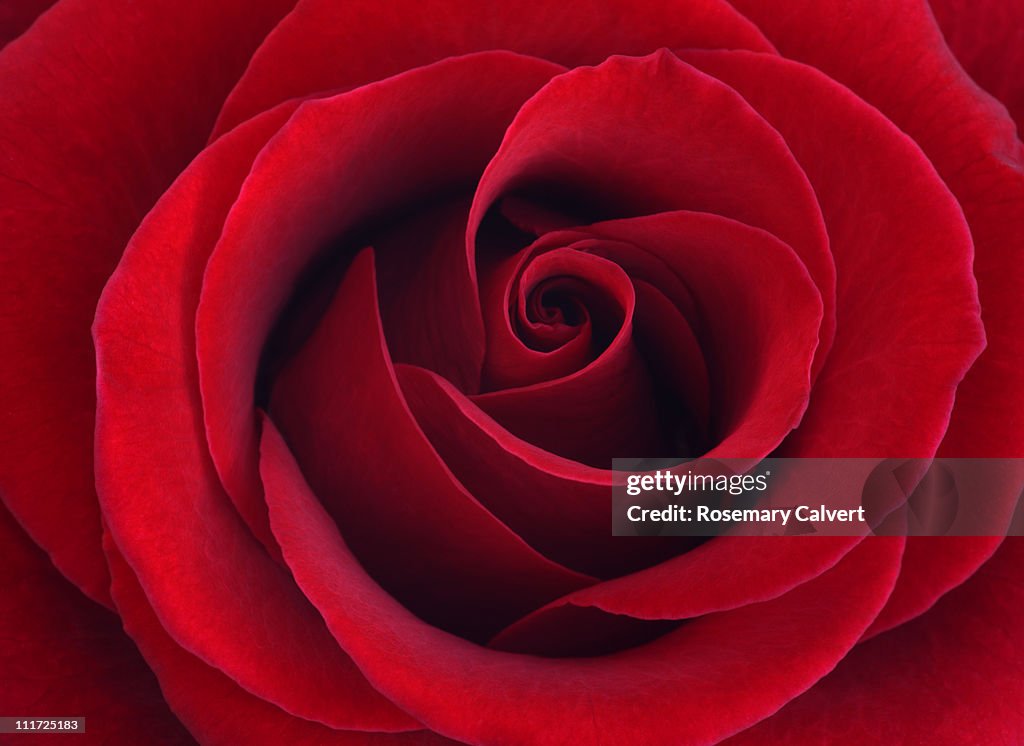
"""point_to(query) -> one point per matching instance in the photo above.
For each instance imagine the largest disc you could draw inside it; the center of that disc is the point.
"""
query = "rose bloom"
(322, 322)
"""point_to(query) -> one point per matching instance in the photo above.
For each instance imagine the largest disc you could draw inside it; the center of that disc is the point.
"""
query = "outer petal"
(326, 45)
(667, 692)
(211, 583)
(75, 179)
(950, 678)
(906, 298)
(61, 654)
(987, 37)
(18, 15)
(191, 686)
(972, 143)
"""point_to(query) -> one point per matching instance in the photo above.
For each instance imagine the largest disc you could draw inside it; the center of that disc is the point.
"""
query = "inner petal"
(293, 208)
(719, 359)
(553, 312)
(404, 513)
(693, 144)
(594, 412)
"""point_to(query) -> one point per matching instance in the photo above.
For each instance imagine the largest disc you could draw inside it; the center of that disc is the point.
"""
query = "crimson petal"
(324, 45)
(63, 654)
(429, 300)
(485, 696)
(973, 145)
(987, 37)
(190, 686)
(952, 676)
(77, 179)
(558, 506)
(605, 407)
(211, 583)
(413, 526)
(692, 144)
(292, 207)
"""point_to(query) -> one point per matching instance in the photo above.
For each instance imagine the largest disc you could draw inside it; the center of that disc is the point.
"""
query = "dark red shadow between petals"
(411, 523)
(379, 148)
(640, 136)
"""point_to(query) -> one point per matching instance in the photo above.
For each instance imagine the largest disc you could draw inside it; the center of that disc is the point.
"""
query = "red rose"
(376, 290)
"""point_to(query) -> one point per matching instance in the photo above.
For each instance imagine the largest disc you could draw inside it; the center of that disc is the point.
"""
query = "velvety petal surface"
(955, 675)
(906, 297)
(17, 16)
(662, 691)
(340, 164)
(972, 144)
(64, 655)
(987, 37)
(327, 45)
(75, 180)
(413, 526)
(190, 686)
(211, 583)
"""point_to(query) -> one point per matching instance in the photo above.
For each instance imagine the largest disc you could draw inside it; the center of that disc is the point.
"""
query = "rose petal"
(905, 299)
(972, 144)
(765, 339)
(413, 526)
(987, 37)
(724, 574)
(931, 563)
(325, 45)
(533, 218)
(692, 143)
(764, 349)
(190, 686)
(213, 586)
(429, 300)
(567, 518)
(509, 361)
(378, 148)
(759, 340)
(556, 505)
(600, 410)
(64, 655)
(16, 17)
(76, 179)
(950, 677)
(666, 339)
(667, 691)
